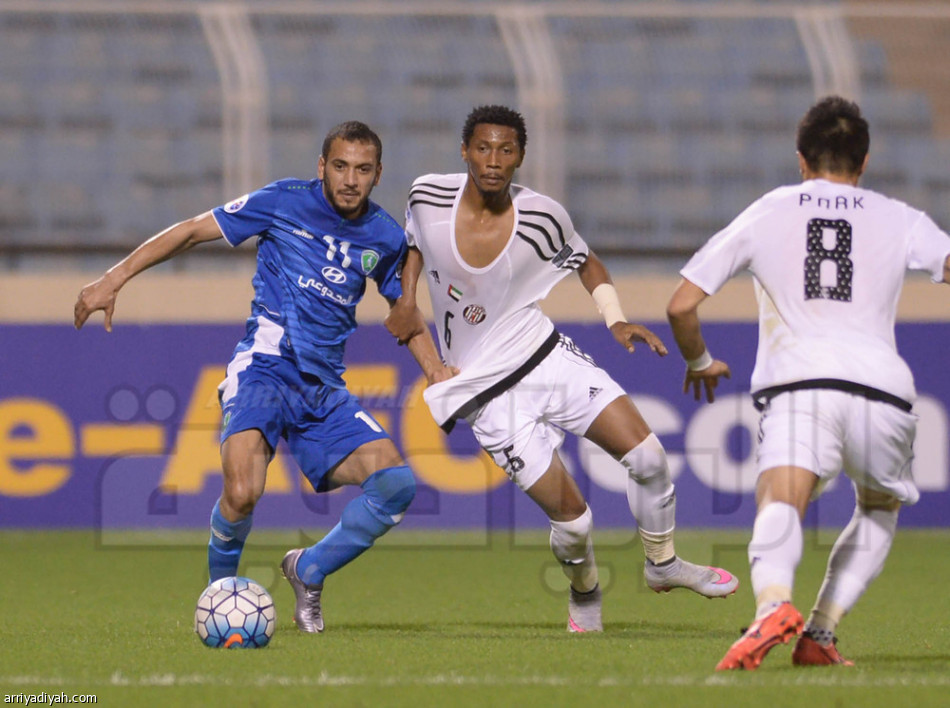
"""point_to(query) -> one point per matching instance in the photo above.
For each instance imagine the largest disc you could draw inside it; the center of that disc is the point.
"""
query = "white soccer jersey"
(488, 319)
(829, 261)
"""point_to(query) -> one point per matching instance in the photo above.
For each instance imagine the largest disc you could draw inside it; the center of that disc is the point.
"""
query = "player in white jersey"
(828, 260)
(491, 250)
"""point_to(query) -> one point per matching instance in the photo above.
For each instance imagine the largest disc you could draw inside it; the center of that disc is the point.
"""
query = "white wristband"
(607, 301)
(703, 361)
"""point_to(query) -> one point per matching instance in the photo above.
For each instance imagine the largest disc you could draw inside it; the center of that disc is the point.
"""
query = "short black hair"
(353, 131)
(833, 136)
(495, 115)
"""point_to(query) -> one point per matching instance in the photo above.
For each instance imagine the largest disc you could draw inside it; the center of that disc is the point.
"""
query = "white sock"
(573, 546)
(774, 553)
(857, 558)
(652, 497)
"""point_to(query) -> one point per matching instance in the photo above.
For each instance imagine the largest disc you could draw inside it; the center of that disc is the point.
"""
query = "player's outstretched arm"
(404, 320)
(101, 293)
(595, 278)
(702, 371)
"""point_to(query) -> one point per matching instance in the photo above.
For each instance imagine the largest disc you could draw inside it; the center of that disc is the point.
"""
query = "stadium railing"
(653, 122)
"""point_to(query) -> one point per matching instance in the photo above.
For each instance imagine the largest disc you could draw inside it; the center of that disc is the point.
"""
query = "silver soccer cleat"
(702, 579)
(307, 614)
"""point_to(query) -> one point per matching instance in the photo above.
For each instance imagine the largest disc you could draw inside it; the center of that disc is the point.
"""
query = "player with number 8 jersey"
(828, 260)
(811, 248)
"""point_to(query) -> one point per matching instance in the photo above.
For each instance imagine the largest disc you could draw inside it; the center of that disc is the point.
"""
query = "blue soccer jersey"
(312, 267)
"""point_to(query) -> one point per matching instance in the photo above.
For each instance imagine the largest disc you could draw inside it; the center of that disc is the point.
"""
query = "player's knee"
(391, 490)
(646, 461)
(570, 540)
(240, 496)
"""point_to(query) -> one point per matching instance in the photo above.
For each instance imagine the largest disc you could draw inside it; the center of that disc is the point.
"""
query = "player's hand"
(627, 334)
(708, 378)
(404, 321)
(98, 295)
(444, 373)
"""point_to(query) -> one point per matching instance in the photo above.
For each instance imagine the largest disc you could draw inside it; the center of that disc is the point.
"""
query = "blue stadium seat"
(896, 110)
(674, 124)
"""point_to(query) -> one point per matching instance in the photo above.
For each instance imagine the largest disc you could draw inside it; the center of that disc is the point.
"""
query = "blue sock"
(226, 543)
(385, 498)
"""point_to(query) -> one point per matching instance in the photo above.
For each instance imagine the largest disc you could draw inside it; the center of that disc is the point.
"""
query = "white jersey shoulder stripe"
(434, 184)
(432, 195)
(537, 246)
(522, 213)
(542, 233)
(423, 186)
(444, 204)
(539, 234)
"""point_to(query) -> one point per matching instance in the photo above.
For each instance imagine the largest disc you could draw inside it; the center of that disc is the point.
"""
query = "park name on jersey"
(840, 202)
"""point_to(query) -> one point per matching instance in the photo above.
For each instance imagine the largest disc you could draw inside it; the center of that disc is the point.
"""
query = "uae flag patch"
(455, 293)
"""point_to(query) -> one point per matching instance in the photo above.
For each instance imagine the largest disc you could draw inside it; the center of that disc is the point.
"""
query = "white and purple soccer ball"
(235, 613)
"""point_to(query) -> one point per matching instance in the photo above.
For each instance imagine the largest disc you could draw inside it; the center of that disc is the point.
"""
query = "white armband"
(703, 361)
(607, 301)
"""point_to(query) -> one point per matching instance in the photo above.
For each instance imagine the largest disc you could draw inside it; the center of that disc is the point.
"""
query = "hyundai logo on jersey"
(333, 275)
(474, 314)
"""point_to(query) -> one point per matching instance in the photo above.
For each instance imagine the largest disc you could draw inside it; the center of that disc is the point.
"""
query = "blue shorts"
(322, 425)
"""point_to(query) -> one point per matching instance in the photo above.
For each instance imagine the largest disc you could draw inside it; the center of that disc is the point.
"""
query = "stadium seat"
(673, 123)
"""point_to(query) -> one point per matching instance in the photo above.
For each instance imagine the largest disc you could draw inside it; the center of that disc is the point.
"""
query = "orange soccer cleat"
(808, 652)
(777, 627)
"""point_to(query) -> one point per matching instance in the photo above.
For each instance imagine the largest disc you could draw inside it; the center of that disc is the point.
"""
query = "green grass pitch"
(451, 619)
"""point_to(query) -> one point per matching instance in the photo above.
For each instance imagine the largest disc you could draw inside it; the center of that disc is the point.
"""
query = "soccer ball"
(235, 613)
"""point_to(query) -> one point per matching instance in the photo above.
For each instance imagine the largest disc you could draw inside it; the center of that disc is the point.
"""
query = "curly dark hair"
(833, 136)
(495, 115)
(353, 131)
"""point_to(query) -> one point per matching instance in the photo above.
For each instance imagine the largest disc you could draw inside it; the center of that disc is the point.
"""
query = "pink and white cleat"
(702, 579)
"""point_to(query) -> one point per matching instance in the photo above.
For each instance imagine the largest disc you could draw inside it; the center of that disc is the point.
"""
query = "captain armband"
(607, 301)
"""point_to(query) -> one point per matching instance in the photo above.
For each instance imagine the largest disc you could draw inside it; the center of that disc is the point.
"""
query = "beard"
(346, 211)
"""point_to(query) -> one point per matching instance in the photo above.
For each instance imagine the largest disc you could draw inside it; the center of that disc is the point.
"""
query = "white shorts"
(522, 427)
(825, 431)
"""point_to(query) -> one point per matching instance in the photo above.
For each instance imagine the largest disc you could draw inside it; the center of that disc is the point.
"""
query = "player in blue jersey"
(318, 242)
